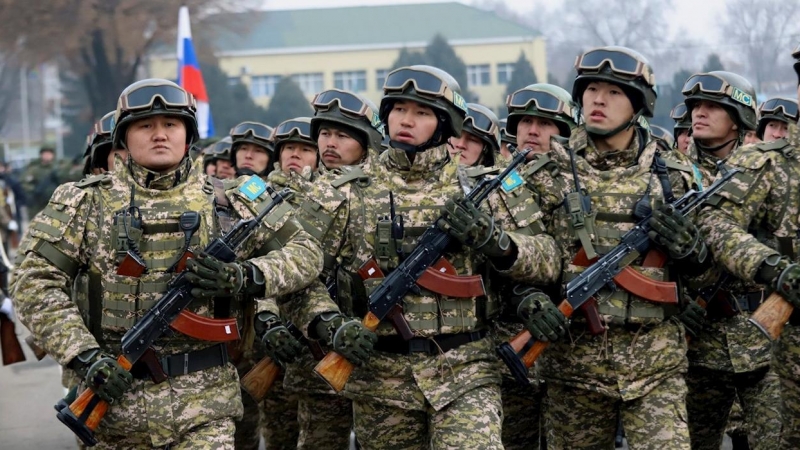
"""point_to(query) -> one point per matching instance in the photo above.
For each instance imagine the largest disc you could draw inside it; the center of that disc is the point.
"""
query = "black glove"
(348, 337)
(681, 238)
(693, 318)
(103, 374)
(540, 316)
(281, 345)
(214, 278)
(473, 227)
(783, 275)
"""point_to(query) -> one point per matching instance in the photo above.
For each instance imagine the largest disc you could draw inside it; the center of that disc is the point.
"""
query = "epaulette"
(539, 162)
(94, 180)
(781, 146)
(350, 173)
(481, 171)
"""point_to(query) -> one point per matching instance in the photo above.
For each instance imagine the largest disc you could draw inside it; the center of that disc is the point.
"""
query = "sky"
(690, 17)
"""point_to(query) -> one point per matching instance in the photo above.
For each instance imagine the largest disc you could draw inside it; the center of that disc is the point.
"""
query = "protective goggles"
(709, 83)
(679, 113)
(424, 83)
(105, 125)
(620, 63)
(544, 101)
(292, 127)
(255, 129)
(221, 148)
(348, 102)
(774, 104)
(481, 122)
(144, 97)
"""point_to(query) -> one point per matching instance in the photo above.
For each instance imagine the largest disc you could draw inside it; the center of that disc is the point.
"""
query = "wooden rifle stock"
(38, 351)
(12, 350)
(334, 368)
(258, 381)
(772, 315)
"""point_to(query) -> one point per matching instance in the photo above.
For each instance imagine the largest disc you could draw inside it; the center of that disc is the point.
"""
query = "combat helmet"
(351, 112)
(777, 108)
(683, 120)
(154, 97)
(433, 88)
(253, 133)
(98, 144)
(542, 100)
(484, 124)
(664, 138)
(505, 136)
(730, 90)
(221, 150)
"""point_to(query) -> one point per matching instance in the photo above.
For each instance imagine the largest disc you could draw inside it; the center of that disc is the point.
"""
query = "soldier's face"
(775, 130)
(47, 157)
(751, 138)
(295, 156)
(711, 122)
(683, 141)
(110, 160)
(411, 122)
(211, 169)
(605, 106)
(252, 156)
(225, 170)
(534, 133)
(157, 143)
(469, 146)
(337, 148)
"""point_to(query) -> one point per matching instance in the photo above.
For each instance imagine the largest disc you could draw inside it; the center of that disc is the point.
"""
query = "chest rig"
(598, 211)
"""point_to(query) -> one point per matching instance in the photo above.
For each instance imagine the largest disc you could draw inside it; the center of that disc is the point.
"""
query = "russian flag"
(189, 76)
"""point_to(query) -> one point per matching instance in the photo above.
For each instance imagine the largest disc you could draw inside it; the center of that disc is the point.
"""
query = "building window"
(263, 85)
(310, 83)
(504, 72)
(233, 81)
(380, 77)
(355, 81)
(478, 75)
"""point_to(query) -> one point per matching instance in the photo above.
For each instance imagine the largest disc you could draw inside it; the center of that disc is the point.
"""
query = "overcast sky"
(692, 18)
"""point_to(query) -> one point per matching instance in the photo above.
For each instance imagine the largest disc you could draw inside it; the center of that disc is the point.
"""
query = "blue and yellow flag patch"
(253, 188)
(512, 181)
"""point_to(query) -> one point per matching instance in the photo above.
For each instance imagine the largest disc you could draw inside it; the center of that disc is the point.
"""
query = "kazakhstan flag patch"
(512, 181)
(253, 188)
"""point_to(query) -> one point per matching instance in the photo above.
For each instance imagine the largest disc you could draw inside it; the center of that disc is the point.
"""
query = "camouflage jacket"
(640, 348)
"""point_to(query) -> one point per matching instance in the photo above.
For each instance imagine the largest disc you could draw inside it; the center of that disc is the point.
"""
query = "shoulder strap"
(781, 146)
(353, 173)
(94, 180)
(660, 166)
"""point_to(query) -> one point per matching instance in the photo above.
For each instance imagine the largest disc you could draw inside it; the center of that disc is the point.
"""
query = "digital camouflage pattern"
(766, 195)
(76, 223)
(638, 363)
(413, 387)
(280, 426)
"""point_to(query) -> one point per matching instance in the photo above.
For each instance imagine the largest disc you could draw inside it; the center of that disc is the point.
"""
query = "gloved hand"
(348, 337)
(693, 318)
(281, 345)
(540, 316)
(103, 374)
(677, 234)
(783, 275)
(473, 227)
(211, 277)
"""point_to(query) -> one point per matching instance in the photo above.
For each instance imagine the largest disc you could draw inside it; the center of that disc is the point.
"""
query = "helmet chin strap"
(715, 148)
(624, 126)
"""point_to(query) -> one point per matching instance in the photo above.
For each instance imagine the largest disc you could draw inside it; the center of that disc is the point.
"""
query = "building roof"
(367, 27)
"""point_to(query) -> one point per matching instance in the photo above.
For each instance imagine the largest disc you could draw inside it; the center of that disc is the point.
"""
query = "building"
(354, 48)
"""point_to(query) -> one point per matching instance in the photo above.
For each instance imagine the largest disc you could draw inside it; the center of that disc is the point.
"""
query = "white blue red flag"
(189, 76)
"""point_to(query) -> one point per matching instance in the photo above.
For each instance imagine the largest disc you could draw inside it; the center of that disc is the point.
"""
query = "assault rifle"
(522, 350)
(84, 414)
(387, 298)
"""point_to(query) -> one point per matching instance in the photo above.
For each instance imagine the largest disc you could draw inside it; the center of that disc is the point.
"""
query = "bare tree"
(761, 36)
(9, 84)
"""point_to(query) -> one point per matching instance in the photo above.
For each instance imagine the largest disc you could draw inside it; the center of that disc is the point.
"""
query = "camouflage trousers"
(280, 428)
(325, 421)
(217, 435)
(522, 407)
(472, 421)
(786, 363)
(580, 419)
(248, 429)
(711, 396)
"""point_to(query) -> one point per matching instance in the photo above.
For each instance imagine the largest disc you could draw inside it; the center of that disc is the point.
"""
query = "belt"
(441, 343)
(186, 363)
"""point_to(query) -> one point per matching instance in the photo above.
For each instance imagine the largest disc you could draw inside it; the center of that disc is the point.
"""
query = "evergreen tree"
(287, 103)
(522, 76)
(230, 104)
(409, 58)
(440, 54)
(713, 63)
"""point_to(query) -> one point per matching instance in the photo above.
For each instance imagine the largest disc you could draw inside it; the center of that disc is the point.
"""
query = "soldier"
(39, 179)
(598, 188)
(135, 210)
(222, 159)
(479, 140)
(297, 152)
(537, 113)
(728, 357)
(505, 139)
(209, 159)
(252, 142)
(751, 231)
(441, 387)
(774, 117)
(663, 138)
(682, 131)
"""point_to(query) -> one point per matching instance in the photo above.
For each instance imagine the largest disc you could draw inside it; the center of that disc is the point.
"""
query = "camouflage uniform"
(39, 180)
(637, 366)
(729, 358)
(190, 411)
(764, 197)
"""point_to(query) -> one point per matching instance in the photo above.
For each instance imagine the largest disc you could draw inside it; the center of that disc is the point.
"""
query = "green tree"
(409, 58)
(230, 104)
(522, 76)
(713, 63)
(440, 54)
(287, 103)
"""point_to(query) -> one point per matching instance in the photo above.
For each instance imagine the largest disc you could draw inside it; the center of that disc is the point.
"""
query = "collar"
(148, 179)
(582, 144)
(425, 163)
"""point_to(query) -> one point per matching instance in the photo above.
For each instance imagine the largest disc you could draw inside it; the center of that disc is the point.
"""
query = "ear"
(735, 127)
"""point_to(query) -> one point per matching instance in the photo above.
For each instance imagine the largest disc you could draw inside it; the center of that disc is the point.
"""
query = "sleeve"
(302, 307)
(43, 282)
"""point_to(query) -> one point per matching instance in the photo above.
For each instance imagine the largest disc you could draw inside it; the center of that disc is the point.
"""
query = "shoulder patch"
(253, 188)
(512, 181)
